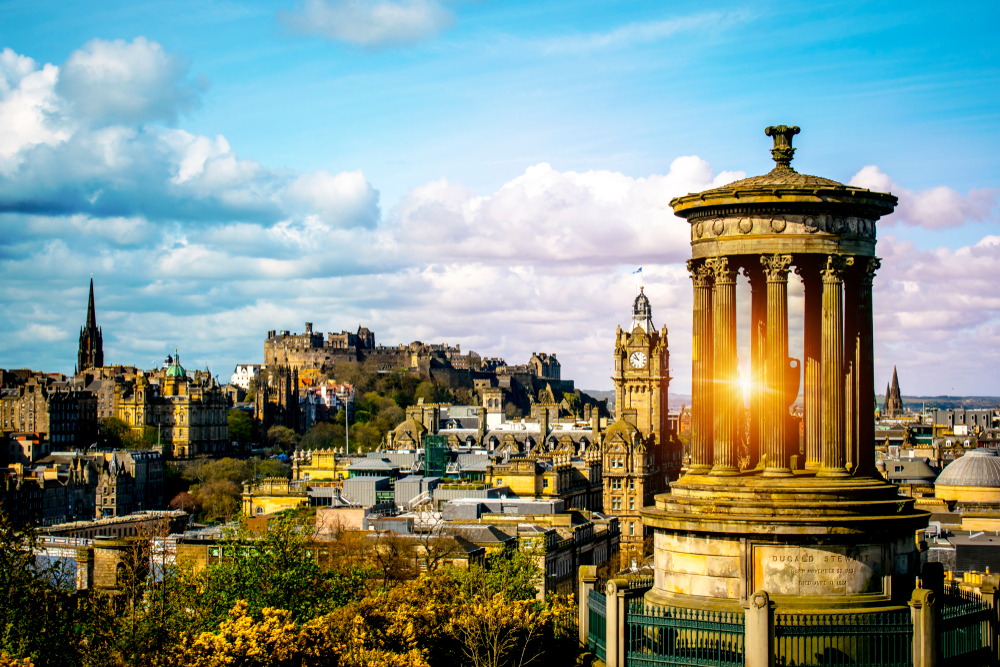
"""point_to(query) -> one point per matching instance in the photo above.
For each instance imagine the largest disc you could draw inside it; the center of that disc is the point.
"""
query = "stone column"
(923, 612)
(588, 578)
(813, 318)
(866, 370)
(758, 338)
(725, 442)
(84, 568)
(701, 369)
(832, 446)
(851, 344)
(757, 631)
(614, 626)
(776, 366)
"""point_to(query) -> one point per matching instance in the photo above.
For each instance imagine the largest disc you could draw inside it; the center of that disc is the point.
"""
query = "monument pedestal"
(814, 544)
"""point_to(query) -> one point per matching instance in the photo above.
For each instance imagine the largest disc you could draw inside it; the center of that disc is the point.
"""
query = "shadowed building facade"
(752, 515)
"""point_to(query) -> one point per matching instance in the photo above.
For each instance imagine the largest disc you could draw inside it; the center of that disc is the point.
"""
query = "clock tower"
(640, 452)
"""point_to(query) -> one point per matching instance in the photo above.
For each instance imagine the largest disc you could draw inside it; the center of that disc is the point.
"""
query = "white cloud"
(934, 208)
(130, 83)
(44, 332)
(593, 218)
(82, 139)
(643, 32)
(370, 23)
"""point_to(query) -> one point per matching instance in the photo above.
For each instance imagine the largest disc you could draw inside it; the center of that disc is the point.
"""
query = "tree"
(282, 437)
(240, 427)
(116, 433)
(220, 500)
(320, 436)
(186, 502)
(496, 631)
(465, 396)
(512, 411)
(427, 391)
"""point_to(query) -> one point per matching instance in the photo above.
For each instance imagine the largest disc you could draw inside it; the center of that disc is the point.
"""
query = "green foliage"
(280, 598)
(240, 427)
(282, 437)
(275, 570)
(513, 574)
(320, 436)
(46, 635)
(120, 435)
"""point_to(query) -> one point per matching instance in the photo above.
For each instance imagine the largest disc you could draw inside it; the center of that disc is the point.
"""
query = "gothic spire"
(91, 352)
(91, 311)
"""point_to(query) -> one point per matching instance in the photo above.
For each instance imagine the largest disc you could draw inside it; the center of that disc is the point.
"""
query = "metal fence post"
(990, 590)
(612, 633)
(758, 631)
(621, 601)
(923, 611)
(588, 577)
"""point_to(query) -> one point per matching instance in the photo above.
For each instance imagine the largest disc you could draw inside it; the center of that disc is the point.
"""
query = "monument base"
(812, 543)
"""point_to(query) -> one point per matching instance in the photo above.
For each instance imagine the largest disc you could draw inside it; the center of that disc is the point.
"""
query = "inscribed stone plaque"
(818, 570)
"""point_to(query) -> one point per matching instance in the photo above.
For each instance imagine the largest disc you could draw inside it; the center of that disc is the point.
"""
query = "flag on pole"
(639, 270)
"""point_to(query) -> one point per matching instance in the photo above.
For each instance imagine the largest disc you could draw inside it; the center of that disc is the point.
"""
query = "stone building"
(641, 452)
(63, 410)
(276, 402)
(188, 409)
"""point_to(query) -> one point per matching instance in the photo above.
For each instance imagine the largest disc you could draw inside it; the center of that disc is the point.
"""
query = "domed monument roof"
(979, 467)
(175, 370)
(784, 189)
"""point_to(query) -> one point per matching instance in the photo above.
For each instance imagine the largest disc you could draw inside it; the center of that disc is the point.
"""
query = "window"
(631, 484)
(631, 529)
(545, 483)
(631, 503)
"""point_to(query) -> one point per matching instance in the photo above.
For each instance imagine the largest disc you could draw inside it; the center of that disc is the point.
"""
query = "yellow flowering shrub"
(7, 661)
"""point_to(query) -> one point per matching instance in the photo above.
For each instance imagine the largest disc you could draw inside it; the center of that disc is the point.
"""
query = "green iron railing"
(597, 627)
(963, 627)
(659, 636)
(882, 639)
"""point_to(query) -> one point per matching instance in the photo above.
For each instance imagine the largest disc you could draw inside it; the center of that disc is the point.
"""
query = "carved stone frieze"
(786, 225)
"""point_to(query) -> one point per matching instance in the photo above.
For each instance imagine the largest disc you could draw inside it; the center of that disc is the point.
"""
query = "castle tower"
(91, 352)
(637, 447)
(813, 533)
(893, 399)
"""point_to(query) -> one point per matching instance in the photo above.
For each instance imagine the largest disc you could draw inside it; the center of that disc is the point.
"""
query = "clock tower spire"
(640, 452)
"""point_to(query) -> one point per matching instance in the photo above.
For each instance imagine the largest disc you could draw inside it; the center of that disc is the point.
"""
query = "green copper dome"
(176, 370)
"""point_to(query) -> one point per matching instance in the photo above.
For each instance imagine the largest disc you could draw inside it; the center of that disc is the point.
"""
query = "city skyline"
(471, 173)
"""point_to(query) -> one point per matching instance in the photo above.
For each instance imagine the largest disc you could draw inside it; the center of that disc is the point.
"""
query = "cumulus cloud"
(369, 23)
(596, 217)
(934, 208)
(86, 139)
(936, 313)
(127, 82)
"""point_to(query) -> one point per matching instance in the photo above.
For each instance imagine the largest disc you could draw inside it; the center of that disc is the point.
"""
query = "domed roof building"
(973, 478)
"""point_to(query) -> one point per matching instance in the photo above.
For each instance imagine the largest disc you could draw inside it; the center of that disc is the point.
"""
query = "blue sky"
(476, 172)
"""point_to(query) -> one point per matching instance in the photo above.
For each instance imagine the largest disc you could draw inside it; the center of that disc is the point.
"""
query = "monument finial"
(782, 152)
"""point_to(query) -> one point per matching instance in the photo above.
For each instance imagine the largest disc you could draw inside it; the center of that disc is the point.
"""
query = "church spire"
(91, 311)
(91, 352)
(893, 398)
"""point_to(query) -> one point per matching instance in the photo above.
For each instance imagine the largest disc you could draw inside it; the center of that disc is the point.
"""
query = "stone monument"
(816, 530)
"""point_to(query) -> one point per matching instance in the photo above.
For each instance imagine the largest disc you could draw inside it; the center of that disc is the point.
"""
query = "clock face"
(638, 359)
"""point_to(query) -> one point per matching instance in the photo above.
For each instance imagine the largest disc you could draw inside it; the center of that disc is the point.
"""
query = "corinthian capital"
(721, 269)
(701, 274)
(776, 267)
(868, 270)
(833, 272)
